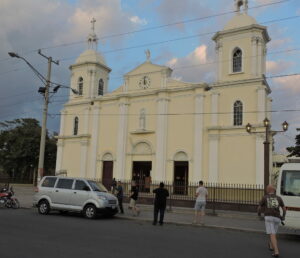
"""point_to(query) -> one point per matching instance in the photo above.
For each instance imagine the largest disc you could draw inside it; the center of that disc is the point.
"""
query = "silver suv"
(74, 194)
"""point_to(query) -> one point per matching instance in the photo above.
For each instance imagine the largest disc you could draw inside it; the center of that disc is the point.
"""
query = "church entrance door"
(141, 174)
(181, 177)
(107, 174)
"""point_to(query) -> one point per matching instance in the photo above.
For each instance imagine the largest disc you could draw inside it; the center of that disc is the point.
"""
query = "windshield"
(290, 183)
(98, 187)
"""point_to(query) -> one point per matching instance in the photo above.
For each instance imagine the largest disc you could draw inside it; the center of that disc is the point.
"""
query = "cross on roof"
(93, 24)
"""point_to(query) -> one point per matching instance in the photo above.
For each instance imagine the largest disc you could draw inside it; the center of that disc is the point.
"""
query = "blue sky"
(28, 25)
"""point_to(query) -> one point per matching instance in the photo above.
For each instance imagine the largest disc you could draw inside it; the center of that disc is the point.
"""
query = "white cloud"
(276, 67)
(195, 67)
(138, 20)
(289, 83)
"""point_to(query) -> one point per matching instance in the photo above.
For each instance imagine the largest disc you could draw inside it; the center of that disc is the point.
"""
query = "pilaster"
(198, 136)
(213, 162)
(94, 141)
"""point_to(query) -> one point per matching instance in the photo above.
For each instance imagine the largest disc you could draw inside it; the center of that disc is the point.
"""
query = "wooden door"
(107, 174)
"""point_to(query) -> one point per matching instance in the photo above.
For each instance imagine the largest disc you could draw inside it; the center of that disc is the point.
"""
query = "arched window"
(76, 122)
(237, 60)
(80, 86)
(101, 87)
(238, 113)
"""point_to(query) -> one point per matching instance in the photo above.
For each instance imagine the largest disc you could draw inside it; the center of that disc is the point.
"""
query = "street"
(26, 234)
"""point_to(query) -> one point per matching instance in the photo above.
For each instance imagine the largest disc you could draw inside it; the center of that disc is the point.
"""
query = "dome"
(240, 20)
(90, 55)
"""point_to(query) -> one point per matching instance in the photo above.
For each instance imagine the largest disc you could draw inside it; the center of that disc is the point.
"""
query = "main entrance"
(181, 177)
(141, 174)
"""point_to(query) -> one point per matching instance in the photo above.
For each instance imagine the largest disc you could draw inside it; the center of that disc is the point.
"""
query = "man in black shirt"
(160, 203)
(133, 199)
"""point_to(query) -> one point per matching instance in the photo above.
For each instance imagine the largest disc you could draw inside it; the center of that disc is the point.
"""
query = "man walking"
(271, 204)
(160, 203)
(201, 197)
(133, 199)
(120, 196)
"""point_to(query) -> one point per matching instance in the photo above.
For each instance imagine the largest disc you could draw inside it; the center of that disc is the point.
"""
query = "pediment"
(148, 67)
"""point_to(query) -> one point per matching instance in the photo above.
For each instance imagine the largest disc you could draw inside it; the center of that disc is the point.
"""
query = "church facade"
(154, 125)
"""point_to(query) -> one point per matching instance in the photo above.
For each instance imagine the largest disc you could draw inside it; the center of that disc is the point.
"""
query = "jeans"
(120, 200)
(161, 211)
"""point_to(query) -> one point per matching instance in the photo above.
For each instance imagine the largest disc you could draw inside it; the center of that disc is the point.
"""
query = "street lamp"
(45, 109)
(268, 132)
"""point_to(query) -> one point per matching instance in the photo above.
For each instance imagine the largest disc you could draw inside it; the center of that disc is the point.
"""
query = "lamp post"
(45, 108)
(268, 132)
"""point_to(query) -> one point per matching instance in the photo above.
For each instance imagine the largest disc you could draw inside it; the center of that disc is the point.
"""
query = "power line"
(152, 28)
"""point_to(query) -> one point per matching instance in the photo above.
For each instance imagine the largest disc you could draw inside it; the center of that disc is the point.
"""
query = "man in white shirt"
(201, 196)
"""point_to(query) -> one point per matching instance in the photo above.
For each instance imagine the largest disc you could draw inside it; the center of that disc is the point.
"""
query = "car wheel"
(90, 211)
(43, 207)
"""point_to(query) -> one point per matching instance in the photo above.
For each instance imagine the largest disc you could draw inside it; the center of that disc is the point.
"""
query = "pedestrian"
(120, 195)
(133, 199)
(113, 186)
(201, 197)
(160, 203)
(271, 204)
(148, 182)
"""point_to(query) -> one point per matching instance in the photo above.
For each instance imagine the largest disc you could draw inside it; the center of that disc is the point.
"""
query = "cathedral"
(156, 126)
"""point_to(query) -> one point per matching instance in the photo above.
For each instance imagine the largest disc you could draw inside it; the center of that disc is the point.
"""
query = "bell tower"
(241, 46)
(90, 74)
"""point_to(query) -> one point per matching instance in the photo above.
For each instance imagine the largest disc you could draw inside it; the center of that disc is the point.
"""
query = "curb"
(247, 230)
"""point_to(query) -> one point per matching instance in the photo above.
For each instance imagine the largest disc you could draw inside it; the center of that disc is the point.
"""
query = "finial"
(92, 37)
(238, 4)
(148, 55)
(93, 21)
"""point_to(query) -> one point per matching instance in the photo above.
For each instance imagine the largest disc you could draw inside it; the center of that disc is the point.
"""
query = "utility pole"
(45, 114)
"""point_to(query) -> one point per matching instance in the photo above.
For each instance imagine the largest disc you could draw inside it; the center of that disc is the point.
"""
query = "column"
(94, 141)
(91, 90)
(213, 162)
(254, 56)
(122, 139)
(214, 108)
(60, 144)
(84, 143)
(83, 157)
(59, 155)
(163, 79)
(260, 159)
(219, 52)
(198, 137)
(261, 104)
(259, 56)
(161, 137)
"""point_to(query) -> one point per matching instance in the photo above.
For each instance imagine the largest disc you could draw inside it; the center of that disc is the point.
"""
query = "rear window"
(65, 183)
(290, 183)
(49, 182)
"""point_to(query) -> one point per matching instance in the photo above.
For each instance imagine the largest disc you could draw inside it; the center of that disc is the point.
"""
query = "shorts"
(132, 203)
(200, 205)
(272, 224)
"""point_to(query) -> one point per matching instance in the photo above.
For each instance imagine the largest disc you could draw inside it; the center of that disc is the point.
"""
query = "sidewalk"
(230, 220)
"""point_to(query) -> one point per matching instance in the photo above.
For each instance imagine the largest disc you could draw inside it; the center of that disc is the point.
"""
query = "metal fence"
(220, 196)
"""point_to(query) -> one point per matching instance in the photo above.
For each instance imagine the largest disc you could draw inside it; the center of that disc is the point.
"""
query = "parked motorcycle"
(7, 198)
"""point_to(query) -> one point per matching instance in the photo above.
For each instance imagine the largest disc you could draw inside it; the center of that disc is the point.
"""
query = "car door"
(80, 193)
(62, 192)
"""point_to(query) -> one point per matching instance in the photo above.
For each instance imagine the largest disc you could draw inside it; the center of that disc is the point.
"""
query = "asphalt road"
(26, 234)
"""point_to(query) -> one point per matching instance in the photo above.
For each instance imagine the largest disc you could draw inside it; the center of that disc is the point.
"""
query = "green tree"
(295, 150)
(19, 148)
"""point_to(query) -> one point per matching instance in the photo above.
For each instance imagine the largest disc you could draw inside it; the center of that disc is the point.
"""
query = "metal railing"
(220, 195)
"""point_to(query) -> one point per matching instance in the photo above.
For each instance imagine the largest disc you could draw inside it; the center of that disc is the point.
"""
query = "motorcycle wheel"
(15, 204)
(8, 204)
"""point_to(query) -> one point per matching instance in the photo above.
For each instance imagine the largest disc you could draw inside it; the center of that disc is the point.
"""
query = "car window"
(49, 182)
(65, 183)
(80, 185)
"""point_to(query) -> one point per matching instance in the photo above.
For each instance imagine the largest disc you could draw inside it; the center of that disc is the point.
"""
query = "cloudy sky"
(173, 30)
